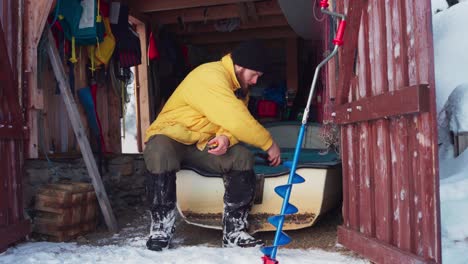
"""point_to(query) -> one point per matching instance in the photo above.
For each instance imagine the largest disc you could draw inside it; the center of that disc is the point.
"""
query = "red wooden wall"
(385, 101)
(13, 226)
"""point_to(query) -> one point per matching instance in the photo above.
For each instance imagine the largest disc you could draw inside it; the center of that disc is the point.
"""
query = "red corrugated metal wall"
(13, 226)
(385, 102)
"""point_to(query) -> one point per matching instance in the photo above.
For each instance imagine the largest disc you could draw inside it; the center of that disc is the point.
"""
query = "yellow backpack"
(102, 51)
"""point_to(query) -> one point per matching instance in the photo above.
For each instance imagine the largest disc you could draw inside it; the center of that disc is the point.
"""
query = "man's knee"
(242, 158)
(160, 155)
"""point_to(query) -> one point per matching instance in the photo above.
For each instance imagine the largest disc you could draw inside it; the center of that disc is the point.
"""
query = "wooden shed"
(380, 90)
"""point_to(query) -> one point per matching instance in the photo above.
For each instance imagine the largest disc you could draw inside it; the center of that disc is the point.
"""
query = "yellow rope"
(73, 55)
(98, 17)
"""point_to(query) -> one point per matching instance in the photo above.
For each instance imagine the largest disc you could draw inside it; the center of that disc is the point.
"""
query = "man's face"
(247, 77)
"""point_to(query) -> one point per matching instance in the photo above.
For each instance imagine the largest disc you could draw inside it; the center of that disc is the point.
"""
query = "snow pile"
(450, 42)
(451, 72)
(45, 252)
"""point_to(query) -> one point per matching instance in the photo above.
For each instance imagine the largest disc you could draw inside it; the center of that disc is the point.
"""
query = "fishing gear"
(284, 191)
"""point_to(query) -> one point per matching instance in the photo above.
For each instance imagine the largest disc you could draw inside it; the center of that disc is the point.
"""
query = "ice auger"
(285, 190)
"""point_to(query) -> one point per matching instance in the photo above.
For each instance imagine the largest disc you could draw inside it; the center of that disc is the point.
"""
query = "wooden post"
(36, 12)
(143, 84)
(83, 142)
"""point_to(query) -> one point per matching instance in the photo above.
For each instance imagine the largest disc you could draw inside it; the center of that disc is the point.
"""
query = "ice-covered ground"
(135, 252)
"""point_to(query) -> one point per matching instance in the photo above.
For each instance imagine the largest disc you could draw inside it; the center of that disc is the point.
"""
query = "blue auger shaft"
(338, 42)
(288, 192)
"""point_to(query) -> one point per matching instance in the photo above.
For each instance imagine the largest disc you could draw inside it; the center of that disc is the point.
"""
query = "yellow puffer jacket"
(204, 105)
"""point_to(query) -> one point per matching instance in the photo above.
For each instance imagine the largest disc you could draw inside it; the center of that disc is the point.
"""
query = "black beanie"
(251, 55)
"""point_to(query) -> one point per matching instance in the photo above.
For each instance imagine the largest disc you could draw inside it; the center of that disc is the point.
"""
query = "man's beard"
(244, 86)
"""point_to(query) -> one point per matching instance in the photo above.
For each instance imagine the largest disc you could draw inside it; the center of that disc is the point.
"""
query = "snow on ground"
(451, 69)
(136, 252)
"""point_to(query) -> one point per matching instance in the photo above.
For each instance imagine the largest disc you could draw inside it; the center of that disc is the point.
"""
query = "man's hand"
(218, 145)
(274, 155)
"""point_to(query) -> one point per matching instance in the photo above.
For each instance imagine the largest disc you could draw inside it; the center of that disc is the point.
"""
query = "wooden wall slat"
(3, 183)
(353, 181)
(398, 78)
(429, 131)
(345, 170)
(11, 207)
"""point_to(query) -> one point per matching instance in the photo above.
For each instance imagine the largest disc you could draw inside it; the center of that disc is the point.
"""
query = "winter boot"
(161, 195)
(238, 198)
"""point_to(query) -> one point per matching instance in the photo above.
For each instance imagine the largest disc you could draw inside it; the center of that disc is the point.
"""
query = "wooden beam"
(292, 77)
(142, 83)
(409, 100)
(349, 50)
(197, 28)
(375, 250)
(80, 134)
(164, 5)
(244, 16)
(236, 36)
(36, 12)
(204, 14)
(144, 18)
(252, 11)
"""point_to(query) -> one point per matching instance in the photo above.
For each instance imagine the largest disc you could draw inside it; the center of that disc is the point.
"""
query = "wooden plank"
(209, 27)
(355, 9)
(345, 156)
(163, 5)
(353, 177)
(81, 135)
(366, 180)
(413, 99)
(264, 8)
(115, 145)
(4, 198)
(236, 36)
(383, 196)
(11, 233)
(402, 188)
(37, 12)
(143, 89)
(375, 250)
(292, 73)
(366, 137)
(13, 132)
(244, 16)
(425, 66)
(34, 22)
(252, 11)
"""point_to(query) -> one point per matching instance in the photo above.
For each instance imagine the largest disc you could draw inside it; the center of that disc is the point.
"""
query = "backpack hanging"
(81, 22)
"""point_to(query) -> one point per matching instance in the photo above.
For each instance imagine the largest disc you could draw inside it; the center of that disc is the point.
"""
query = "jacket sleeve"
(232, 139)
(210, 93)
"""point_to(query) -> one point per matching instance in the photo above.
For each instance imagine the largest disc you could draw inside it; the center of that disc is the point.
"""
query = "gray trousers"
(163, 154)
(164, 157)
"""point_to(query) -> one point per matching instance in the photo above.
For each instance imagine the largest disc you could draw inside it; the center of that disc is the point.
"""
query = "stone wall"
(123, 178)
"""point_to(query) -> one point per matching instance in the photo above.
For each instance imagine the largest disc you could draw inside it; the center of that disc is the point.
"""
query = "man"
(200, 125)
